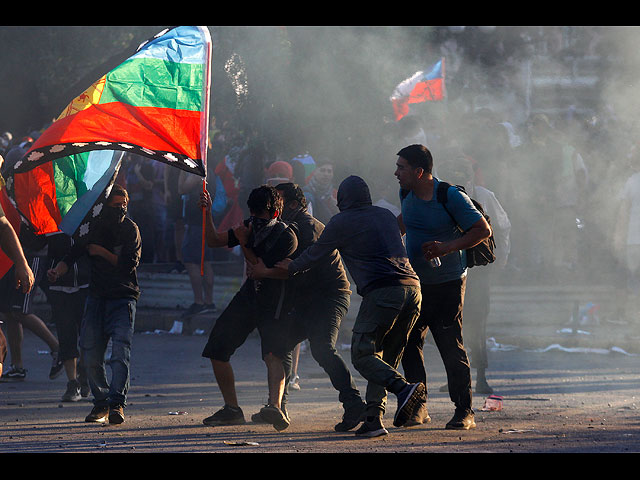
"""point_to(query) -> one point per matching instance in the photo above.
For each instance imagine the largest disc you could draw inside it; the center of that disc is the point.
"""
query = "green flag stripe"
(149, 82)
(68, 174)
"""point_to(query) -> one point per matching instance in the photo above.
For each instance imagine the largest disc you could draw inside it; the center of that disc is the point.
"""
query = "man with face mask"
(114, 248)
(259, 304)
(320, 300)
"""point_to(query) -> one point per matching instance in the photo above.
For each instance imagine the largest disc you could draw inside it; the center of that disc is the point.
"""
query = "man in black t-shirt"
(258, 304)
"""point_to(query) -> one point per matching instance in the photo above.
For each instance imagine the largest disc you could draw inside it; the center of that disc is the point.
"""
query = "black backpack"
(481, 254)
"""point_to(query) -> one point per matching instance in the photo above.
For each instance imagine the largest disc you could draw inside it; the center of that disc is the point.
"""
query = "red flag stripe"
(154, 128)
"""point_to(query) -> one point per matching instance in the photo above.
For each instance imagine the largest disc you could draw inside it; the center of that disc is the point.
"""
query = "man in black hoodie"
(114, 248)
(369, 242)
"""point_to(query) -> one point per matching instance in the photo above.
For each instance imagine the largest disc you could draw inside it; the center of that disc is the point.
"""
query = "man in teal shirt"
(432, 233)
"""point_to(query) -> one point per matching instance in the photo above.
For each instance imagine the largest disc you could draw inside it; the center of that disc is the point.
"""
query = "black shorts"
(241, 317)
(12, 299)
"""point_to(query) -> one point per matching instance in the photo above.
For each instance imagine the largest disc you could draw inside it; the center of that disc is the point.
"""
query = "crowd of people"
(302, 232)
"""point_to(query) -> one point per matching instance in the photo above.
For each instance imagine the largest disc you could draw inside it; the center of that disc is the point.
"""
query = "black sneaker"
(194, 309)
(419, 416)
(178, 267)
(275, 416)
(98, 415)
(227, 415)
(257, 418)
(14, 374)
(56, 366)
(116, 413)
(372, 427)
(463, 419)
(483, 387)
(85, 389)
(351, 418)
(209, 308)
(408, 401)
(73, 392)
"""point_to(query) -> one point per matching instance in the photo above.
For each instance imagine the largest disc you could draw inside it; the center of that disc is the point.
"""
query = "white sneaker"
(294, 383)
(176, 329)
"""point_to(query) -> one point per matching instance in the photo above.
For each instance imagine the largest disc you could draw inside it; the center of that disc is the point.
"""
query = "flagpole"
(204, 142)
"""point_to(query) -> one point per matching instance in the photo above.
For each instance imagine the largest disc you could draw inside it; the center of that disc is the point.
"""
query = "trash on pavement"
(242, 443)
(492, 403)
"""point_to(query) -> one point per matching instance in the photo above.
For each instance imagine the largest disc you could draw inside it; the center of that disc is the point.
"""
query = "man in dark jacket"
(114, 249)
(369, 242)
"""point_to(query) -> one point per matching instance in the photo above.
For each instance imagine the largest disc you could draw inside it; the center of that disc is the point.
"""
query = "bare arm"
(403, 230)
(476, 234)
(214, 238)
(11, 246)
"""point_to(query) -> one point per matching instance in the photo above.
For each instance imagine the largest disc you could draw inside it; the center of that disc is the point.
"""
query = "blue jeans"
(106, 319)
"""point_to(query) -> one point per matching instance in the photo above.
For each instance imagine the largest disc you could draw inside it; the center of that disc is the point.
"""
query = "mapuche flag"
(154, 104)
(421, 87)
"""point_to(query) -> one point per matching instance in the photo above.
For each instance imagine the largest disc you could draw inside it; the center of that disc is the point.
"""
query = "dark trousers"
(318, 318)
(67, 310)
(385, 318)
(441, 311)
(476, 313)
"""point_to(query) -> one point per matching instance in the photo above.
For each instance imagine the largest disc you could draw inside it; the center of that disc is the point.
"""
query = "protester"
(477, 301)
(320, 192)
(257, 305)
(114, 248)
(23, 278)
(627, 242)
(321, 300)
(175, 222)
(3, 349)
(17, 306)
(67, 299)
(431, 233)
(147, 208)
(280, 172)
(369, 242)
(10, 245)
(202, 283)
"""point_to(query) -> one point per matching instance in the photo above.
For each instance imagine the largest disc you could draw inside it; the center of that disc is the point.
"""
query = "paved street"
(553, 401)
(566, 387)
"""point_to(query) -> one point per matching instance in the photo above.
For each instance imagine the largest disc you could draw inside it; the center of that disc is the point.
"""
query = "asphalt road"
(554, 401)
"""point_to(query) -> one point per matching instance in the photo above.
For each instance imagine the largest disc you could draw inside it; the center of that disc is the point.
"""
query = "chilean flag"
(420, 87)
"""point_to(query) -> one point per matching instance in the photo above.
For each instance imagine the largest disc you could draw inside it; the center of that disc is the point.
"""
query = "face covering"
(261, 227)
(115, 214)
(259, 223)
(288, 214)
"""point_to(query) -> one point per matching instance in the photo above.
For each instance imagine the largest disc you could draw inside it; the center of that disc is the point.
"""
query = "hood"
(352, 193)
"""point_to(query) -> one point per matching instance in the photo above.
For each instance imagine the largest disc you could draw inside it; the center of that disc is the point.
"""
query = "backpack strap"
(441, 196)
